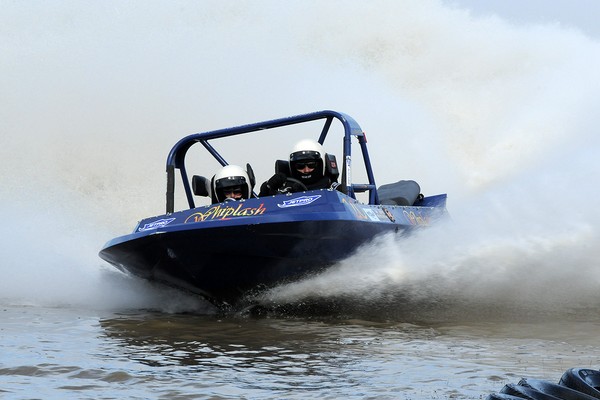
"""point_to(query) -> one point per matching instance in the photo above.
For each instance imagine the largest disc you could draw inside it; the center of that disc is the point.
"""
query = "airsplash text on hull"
(225, 212)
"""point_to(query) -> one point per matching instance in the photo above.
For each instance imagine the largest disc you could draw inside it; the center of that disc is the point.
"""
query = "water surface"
(77, 353)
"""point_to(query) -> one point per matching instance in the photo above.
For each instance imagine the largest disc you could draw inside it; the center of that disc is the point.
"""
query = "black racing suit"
(277, 185)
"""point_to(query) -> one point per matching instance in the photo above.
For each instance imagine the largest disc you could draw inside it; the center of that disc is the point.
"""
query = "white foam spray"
(499, 116)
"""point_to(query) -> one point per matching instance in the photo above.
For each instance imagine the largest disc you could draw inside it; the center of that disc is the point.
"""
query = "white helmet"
(306, 151)
(228, 177)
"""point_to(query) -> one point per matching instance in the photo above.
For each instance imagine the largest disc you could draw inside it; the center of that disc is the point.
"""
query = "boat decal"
(156, 224)
(221, 212)
(388, 214)
(348, 171)
(299, 201)
(371, 214)
(356, 210)
(416, 218)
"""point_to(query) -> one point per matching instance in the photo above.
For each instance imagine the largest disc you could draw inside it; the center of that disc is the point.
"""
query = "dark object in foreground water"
(575, 384)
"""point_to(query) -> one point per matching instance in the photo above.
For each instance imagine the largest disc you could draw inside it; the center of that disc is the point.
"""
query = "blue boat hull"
(228, 250)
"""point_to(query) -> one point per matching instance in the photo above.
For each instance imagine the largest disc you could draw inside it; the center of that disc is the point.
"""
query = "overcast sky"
(581, 14)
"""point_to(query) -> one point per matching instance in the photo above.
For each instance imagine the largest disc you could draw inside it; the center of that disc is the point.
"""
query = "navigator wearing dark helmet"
(309, 168)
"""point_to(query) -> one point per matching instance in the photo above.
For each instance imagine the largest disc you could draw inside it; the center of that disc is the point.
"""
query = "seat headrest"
(283, 166)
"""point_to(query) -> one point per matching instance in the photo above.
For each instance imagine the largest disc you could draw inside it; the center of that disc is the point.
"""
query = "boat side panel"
(318, 205)
(225, 262)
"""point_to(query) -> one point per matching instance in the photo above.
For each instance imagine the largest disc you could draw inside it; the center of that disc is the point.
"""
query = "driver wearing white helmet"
(306, 169)
(231, 183)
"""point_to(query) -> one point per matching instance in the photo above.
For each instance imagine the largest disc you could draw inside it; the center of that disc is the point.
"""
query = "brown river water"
(333, 352)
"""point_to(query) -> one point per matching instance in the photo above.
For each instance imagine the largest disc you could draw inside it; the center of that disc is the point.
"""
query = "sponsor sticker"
(372, 216)
(156, 224)
(416, 218)
(356, 210)
(299, 201)
(389, 214)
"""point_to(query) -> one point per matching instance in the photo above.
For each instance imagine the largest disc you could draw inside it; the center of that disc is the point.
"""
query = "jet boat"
(226, 251)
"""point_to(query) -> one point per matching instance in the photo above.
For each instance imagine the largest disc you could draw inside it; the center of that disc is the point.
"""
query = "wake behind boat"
(229, 249)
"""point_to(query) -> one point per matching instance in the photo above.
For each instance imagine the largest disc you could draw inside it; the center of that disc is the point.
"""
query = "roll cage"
(176, 157)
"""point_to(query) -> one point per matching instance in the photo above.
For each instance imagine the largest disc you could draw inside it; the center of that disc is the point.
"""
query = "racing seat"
(283, 166)
(401, 193)
(202, 186)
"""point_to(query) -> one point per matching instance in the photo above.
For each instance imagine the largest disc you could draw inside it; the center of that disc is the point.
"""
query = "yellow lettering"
(218, 212)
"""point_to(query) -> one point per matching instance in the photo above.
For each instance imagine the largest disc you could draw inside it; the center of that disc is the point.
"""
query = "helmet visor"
(300, 165)
(235, 190)
(230, 181)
